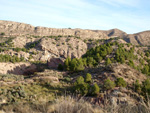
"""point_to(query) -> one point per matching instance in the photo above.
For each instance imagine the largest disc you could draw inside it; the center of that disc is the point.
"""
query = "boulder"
(54, 62)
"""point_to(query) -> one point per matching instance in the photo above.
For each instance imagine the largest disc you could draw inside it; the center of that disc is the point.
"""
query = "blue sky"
(130, 16)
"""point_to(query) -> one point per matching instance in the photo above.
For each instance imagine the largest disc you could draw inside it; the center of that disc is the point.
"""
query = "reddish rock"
(54, 62)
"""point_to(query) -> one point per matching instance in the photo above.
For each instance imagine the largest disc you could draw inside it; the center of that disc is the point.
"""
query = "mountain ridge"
(16, 29)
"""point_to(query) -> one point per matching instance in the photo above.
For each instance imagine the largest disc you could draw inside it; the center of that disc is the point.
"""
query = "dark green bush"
(120, 82)
(2, 33)
(74, 64)
(95, 89)
(108, 62)
(88, 78)
(80, 86)
(8, 58)
(146, 86)
(60, 67)
(146, 70)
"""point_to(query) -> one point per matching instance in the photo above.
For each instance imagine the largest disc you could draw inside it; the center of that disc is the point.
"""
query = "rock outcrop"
(17, 68)
(54, 62)
(64, 47)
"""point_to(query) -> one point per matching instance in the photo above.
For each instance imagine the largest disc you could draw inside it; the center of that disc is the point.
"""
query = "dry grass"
(72, 105)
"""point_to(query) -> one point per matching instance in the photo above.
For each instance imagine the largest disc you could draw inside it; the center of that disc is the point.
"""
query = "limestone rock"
(64, 47)
(17, 68)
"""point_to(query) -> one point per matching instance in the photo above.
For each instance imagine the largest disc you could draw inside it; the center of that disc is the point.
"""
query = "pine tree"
(80, 65)
(80, 86)
(95, 89)
(80, 80)
(108, 61)
(73, 64)
(67, 63)
(88, 78)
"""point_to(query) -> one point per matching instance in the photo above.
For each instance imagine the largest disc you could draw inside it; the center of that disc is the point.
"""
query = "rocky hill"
(55, 45)
(19, 29)
(142, 38)
(109, 69)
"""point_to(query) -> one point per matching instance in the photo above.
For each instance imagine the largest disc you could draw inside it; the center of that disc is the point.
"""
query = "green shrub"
(80, 86)
(108, 84)
(17, 49)
(146, 86)
(2, 33)
(141, 61)
(108, 61)
(60, 67)
(8, 58)
(146, 69)
(147, 54)
(120, 82)
(33, 44)
(67, 63)
(95, 89)
(131, 63)
(80, 80)
(137, 86)
(74, 64)
(88, 78)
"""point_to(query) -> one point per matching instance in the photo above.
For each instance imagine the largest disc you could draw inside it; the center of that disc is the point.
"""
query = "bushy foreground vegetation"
(68, 104)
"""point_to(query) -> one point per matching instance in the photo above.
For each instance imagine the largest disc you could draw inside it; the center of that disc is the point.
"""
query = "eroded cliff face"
(142, 38)
(16, 29)
(64, 47)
